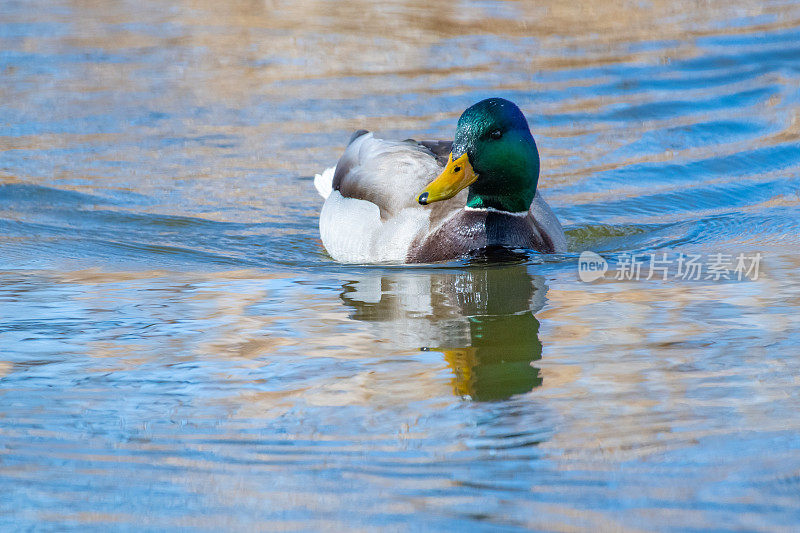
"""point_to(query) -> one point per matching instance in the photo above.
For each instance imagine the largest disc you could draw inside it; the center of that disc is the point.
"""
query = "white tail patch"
(324, 182)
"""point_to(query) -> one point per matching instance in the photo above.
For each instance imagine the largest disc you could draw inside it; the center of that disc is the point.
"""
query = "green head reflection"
(498, 362)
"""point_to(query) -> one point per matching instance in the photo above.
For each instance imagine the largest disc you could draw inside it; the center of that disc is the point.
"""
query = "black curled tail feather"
(356, 134)
(345, 165)
(440, 149)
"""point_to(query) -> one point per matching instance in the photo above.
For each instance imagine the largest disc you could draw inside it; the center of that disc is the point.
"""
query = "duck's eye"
(457, 169)
(496, 134)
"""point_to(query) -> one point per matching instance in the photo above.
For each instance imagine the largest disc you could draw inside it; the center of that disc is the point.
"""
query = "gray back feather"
(390, 174)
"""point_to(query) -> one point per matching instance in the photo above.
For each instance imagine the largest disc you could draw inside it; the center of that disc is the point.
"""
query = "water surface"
(178, 351)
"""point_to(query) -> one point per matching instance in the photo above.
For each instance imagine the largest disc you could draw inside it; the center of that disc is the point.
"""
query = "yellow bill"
(456, 175)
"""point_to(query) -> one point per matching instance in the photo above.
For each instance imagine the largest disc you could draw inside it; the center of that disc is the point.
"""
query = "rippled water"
(177, 351)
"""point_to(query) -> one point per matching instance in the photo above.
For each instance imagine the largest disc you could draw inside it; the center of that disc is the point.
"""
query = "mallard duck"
(382, 203)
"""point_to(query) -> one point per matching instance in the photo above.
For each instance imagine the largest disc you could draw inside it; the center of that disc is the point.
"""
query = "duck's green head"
(494, 154)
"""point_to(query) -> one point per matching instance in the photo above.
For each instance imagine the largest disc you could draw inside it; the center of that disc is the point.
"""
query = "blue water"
(177, 351)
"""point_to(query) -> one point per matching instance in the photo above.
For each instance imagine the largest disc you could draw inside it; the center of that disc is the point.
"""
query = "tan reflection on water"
(480, 320)
(650, 340)
(222, 56)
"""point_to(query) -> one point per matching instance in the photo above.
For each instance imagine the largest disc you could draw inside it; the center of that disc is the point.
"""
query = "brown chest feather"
(468, 230)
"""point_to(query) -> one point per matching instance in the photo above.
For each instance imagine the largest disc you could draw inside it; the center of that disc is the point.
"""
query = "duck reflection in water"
(481, 319)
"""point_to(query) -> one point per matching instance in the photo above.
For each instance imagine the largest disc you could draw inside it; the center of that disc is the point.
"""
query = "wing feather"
(386, 173)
